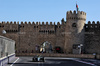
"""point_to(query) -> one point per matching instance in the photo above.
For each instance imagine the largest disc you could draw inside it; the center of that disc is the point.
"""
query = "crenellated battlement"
(41, 27)
(73, 15)
(14, 25)
(3, 22)
(76, 13)
(29, 23)
(92, 24)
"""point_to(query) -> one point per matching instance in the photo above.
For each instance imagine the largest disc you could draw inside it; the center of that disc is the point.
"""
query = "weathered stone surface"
(69, 32)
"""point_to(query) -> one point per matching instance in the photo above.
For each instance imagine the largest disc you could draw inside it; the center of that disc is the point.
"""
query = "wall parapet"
(30, 23)
(92, 24)
(73, 15)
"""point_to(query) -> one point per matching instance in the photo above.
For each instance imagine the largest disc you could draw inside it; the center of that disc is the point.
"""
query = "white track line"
(74, 59)
(14, 62)
(85, 62)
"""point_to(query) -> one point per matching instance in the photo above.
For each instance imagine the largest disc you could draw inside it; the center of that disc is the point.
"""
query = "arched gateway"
(46, 47)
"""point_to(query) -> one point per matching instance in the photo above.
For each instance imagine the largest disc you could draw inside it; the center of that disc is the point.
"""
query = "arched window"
(74, 25)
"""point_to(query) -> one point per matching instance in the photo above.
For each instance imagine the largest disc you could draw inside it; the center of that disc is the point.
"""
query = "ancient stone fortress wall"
(6, 46)
(92, 37)
(37, 33)
(29, 34)
(65, 34)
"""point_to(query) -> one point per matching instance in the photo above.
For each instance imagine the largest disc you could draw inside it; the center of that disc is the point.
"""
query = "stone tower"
(74, 32)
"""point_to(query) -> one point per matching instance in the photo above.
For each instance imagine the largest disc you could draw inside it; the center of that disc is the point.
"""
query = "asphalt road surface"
(27, 61)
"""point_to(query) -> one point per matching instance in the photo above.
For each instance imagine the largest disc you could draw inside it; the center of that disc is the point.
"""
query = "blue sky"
(46, 10)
